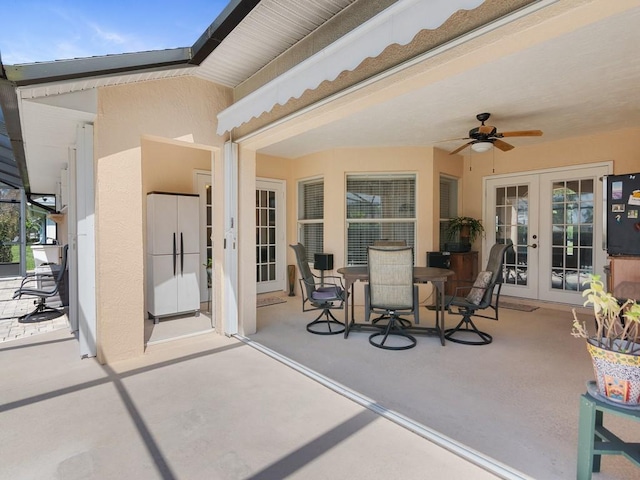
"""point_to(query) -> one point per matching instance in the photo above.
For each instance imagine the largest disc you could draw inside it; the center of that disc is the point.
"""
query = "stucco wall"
(623, 147)
(176, 108)
(335, 165)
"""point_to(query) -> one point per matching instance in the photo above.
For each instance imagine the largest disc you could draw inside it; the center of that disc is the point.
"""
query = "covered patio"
(315, 407)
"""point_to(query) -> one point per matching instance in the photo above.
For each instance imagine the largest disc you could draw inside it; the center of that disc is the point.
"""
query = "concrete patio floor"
(207, 407)
(303, 406)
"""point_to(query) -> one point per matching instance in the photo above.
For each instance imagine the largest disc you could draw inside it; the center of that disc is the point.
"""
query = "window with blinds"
(311, 216)
(379, 207)
(448, 206)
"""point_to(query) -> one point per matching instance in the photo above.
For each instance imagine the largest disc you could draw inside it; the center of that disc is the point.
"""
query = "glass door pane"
(512, 224)
(572, 215)
(265, 235)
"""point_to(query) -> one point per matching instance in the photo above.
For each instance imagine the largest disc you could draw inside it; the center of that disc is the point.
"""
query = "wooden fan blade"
(486, 129)
(504, 146)
(461, 148)
(453, 140)
(521, 133)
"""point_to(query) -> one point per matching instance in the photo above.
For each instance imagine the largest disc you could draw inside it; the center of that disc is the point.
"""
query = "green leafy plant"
(617, 324)
(464, 227)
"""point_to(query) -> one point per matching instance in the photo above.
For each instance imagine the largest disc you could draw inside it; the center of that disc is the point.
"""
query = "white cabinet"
(173, 254)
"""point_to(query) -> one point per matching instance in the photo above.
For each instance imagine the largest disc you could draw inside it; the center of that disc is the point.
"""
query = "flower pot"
(617, 374)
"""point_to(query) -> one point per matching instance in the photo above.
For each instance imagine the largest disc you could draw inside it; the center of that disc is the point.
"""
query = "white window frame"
(452, 211)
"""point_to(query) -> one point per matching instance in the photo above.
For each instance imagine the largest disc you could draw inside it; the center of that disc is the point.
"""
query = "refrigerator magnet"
(617, 207)
(632, 213)
(616, 190)
(634, 198)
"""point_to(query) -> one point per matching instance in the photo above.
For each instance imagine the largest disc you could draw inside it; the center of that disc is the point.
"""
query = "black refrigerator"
(622, 219)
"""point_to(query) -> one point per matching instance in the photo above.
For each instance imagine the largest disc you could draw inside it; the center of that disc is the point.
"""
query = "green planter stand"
(594, 440)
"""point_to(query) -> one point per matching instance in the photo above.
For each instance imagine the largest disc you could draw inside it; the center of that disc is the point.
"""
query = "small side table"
(594, 440)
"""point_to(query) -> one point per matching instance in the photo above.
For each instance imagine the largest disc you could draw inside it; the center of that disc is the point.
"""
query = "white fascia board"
(399, 23)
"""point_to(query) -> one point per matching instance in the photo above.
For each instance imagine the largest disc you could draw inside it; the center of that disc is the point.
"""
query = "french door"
(270, 235)
(553, 218)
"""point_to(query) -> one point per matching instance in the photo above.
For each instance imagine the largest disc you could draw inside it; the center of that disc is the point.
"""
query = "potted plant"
(466, 229)
(208, 266)
(615, 346)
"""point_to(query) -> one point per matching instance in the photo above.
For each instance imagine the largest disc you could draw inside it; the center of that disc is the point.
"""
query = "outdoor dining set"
(391, 294)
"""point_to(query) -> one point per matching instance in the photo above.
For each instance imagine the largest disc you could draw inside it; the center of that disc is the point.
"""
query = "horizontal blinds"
(379, 208)
(381, 198)
(311, 217)
(312, 194)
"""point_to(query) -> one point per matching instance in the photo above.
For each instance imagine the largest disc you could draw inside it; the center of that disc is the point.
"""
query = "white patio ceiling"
(575, 83)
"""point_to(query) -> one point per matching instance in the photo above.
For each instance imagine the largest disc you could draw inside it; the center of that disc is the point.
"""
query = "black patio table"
(437, 277)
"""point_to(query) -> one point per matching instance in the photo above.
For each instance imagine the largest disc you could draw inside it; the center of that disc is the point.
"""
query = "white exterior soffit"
(399, 23)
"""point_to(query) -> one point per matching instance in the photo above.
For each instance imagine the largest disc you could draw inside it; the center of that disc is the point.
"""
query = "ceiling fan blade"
(453, 140)
(462, 147)
(504, 146)
(521, 133)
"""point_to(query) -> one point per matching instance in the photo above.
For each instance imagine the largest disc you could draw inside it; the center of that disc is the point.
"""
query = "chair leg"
(404, 323)
(333, 325)
(393, 328)
(466, 326)
(41, 307)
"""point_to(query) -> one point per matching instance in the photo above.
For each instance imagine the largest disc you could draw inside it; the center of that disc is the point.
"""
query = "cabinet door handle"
(174, 253)
(181, 254)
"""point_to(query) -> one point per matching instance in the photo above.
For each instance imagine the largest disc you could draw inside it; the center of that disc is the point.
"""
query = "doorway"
(204, 189)
(552, 217)
(270, 235)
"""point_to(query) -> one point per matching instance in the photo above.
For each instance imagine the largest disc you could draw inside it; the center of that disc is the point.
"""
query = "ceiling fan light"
(481, 147)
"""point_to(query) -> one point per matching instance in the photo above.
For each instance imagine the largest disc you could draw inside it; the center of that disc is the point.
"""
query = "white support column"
(86, 241)
(230, 296)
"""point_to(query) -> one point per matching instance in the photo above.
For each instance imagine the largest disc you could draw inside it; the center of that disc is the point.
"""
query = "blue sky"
(45, 30)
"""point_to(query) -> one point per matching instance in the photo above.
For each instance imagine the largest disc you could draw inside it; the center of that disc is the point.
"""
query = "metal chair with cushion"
(326, 294)
(44, 286)
(483, 295)
(391, 293)
(367, 306)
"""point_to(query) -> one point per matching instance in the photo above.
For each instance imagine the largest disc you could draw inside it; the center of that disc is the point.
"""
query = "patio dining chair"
(44, 286)
(367, 306)
(483, 296)
(324, 293)
(391, 293)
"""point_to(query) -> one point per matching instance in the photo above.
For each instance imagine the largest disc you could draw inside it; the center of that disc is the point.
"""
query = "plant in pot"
(465, 230)
(615, 346)
(208, 266)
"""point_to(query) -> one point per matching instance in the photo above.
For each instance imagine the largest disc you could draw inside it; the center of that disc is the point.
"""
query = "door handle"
(534, 245)
(174, 253)
(181, 254)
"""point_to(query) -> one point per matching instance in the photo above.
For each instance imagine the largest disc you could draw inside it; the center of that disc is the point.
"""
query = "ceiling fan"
(486, 135)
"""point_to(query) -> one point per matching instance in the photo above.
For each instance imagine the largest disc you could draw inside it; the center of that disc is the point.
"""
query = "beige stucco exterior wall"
(176, 108)
(622, 147)
(335, 165)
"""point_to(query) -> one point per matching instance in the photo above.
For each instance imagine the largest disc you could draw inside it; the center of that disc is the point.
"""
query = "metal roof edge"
(222, 26)
(60, 70)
